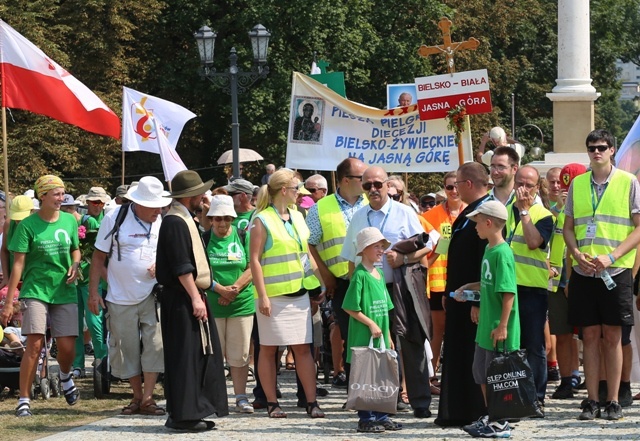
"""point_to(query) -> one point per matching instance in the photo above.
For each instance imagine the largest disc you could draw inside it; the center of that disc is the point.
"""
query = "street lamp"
(234, 81)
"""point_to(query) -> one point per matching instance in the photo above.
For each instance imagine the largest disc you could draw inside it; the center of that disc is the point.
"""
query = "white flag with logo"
(138, 131)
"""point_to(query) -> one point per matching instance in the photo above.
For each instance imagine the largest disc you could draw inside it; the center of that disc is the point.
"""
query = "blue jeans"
(532, 306)
(369, 415)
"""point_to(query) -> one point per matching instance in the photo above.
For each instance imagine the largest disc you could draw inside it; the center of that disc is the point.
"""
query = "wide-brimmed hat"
(98, 194)
(20, 208)
(68, 200)
(122, 190)
(239, 186)
(222, 205)
(369, 236)
(490, 208)
(188, 183)
(148, 193)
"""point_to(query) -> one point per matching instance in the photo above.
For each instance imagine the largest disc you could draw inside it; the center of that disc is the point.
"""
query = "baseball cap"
(369, 236)
(122, 190)
(68, 200)
(569, 172)
(20, 208)
(490, 208)
(239, 186)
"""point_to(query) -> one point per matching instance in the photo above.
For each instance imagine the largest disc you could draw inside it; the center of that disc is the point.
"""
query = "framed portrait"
(401, 95)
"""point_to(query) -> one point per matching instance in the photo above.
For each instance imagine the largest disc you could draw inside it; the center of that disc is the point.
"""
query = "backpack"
(115, 231)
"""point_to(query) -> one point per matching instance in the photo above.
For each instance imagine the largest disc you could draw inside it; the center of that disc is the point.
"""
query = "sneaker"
(590, 410)
(402, 406)
(243, 405)
(23, 410)
(482, 421)
(563, 392)
(340, 381)
(421, 412)
(553, 373)
(580, 387)
(539, 405)
(88, 349)
(613, 411)
(370, 427)
(79, 373)
(390, 425)
(625, 397)
(493, 429)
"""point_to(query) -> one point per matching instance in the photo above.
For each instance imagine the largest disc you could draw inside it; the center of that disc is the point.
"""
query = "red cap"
(569, 172)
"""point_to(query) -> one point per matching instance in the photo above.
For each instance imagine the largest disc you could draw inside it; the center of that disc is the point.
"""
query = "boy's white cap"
(490, 208)
(369, 236)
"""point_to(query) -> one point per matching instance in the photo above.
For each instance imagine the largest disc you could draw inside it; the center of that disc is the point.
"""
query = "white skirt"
(289, 324)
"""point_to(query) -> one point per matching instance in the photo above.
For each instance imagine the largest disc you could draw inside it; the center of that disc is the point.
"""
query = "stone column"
(573, 97)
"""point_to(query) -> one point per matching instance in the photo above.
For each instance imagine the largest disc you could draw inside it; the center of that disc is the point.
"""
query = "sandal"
(404, 397)
(290, 366)
(275, 411)
(314, 411)
(133, 408)
(370, 427)
(151, 408)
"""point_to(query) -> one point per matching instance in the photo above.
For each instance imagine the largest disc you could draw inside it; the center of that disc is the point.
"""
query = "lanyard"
(384, 221)
(293, 231)
(467, 219)
(595, 203)
(148, 232)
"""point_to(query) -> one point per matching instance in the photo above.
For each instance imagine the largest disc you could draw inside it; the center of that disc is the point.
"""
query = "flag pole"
(122, 183)
(5, 160)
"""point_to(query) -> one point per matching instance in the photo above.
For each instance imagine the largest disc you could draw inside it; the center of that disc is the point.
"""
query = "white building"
(629, 75)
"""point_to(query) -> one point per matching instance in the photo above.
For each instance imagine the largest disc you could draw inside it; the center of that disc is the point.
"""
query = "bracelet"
(612, 259)
(213, 284)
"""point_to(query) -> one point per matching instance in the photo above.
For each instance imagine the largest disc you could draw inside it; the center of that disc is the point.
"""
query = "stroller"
(45, 384)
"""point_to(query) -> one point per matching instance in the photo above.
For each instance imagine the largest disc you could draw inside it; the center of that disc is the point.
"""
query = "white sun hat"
(222, 205)
(149, 193)
(369, 236)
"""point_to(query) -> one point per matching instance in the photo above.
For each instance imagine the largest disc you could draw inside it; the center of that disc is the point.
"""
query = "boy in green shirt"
(367, 301)
(499, 321)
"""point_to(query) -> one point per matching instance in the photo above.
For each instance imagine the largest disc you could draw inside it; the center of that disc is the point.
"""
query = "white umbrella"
(245, 155)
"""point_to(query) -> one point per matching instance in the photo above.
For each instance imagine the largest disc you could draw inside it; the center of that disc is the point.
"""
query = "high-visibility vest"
(612, 216)
(334, 230)
(531, 265)
(282, 268)
(557, 251)
(439, 219)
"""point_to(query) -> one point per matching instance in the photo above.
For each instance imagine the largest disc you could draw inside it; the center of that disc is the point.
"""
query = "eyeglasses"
(222, 218)
(449, 187)
(377, 184)
(428, 204)
(600, 147)
(293, 188)
(524, 184)
(354, 177)
(396, 197)
(461, 182)
(96, 202)
(499, 168)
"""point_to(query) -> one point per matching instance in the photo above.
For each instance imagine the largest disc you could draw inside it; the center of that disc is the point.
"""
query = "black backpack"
(115, 231)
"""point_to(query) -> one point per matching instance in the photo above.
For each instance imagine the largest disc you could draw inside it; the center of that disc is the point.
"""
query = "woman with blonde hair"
(279, 261)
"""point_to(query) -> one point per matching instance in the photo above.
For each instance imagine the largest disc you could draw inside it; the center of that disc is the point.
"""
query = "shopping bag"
(511, 392)
(373, 382)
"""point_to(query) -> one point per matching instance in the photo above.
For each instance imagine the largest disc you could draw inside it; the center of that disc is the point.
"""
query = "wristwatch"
(524, 213)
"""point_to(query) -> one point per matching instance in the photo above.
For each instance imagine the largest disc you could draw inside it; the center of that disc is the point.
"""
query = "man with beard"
(194, 372)
(461, 399)
(504, 165)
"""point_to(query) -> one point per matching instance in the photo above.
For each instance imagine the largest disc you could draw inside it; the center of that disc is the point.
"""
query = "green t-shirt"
(92, 224)
(497, 276)
(370, 296)
(48, 249)
(228, 259)
(242, 221)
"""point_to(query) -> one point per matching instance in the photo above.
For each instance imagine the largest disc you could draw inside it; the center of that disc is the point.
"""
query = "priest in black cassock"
(194, 380)
(461, 399)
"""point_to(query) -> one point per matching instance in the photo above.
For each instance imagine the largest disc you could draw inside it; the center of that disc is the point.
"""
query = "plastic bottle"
(467, 295)
(608, 281)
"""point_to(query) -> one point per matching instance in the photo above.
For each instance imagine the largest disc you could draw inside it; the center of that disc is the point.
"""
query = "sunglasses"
(222, 218)
(428, 204)
(396, 197)
(377, 184)
(449, 187)
(96, 202)
(600, 147)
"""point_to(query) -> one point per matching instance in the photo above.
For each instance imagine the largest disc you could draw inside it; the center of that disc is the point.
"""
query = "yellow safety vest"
(557, 252)
(334, 230)
(612, 216)
(531, 265)
(282, 268)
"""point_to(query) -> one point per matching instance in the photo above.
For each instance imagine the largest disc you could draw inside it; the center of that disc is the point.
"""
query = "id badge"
(378, 264)
(233, 256)
(147, 253)
(304, 259)
(591, 230)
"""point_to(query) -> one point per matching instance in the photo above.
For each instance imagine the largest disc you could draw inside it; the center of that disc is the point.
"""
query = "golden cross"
(448, 48)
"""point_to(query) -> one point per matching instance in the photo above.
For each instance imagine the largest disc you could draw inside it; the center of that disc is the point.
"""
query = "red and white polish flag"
(32, 81)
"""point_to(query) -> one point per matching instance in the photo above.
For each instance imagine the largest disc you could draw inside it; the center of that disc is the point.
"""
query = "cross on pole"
(448, 48)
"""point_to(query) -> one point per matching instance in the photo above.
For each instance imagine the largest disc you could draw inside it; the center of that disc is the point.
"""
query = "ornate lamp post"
(234, 81)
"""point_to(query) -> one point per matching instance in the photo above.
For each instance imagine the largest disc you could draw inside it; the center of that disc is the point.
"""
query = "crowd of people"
(220, 277)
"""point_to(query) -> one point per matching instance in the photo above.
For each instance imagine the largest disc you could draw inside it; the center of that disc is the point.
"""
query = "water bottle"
(608, 280)
(467, 295)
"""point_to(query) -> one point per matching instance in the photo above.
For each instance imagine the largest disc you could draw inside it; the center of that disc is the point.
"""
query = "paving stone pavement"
(560, 424)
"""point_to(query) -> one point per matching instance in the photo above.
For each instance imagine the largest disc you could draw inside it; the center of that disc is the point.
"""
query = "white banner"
(325, 128)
